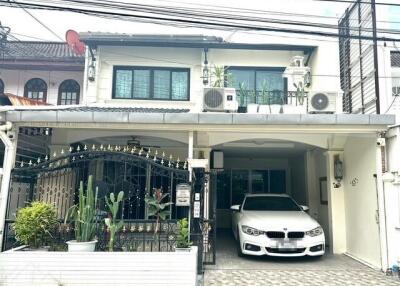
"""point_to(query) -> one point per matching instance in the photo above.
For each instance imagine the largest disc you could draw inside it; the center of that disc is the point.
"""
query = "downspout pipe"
(8, 164)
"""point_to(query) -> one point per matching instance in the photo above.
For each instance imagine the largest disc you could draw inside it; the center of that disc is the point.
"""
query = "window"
(1, 87)
(36, 89)
(68, 92)
(258, 85)
(155, 83)
(232, 185)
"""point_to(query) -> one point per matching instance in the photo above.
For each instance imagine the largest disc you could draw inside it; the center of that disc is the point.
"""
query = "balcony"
(272, 102)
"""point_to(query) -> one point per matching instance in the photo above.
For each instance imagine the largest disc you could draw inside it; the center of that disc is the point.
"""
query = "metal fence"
(135, 235)
(278, 97)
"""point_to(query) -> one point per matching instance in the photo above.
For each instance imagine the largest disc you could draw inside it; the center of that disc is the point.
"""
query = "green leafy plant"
(221, 77)
(112, 224)
(156, 207)
(34, 224)
(242, 93)
(182, 240)
(84, 213)
(265, 94)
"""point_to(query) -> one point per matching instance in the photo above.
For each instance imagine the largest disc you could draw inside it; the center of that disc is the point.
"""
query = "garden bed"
(98, 268)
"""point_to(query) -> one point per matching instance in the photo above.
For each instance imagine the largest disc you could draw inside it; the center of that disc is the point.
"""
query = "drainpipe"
(8, 164)
(380, 148)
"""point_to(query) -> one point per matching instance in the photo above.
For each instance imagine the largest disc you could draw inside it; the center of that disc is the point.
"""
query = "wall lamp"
(206, 71)
(337, 171)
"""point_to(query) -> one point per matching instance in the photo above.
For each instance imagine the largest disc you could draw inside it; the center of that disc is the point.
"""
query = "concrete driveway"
(341, 270)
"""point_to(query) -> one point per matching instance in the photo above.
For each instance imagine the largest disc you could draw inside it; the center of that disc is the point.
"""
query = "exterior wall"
(98, 268)
(391, 194)
(15, 80)
(324, 61)
(360, 196)
(316, 169)
(297, 179)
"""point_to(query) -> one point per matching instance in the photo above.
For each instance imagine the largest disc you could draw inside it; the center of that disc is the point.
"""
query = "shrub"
(34, 224)
(182, 240)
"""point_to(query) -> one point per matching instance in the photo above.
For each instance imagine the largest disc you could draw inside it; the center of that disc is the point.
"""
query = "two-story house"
(148, 95)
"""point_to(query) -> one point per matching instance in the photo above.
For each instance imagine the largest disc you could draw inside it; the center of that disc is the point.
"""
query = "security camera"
(381, 142)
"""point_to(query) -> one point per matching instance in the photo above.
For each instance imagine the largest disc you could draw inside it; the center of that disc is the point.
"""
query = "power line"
(360, 2)
(43, 25)
(190, 21)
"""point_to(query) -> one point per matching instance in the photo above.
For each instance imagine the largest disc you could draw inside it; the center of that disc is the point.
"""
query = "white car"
(275, 225)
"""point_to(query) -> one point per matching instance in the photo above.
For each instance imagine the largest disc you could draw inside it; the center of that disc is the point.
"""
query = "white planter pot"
(275, 108)
(294, 109)
(177, 249)
(264, 109)
(252, 108)
(74, 246)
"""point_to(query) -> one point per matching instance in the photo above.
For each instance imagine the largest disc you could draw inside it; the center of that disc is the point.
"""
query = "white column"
(8, 164)
(381, 208)
(190, 152)
(337, 215)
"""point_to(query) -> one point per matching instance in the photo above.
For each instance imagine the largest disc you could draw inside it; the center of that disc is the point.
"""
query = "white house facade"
(146, 95)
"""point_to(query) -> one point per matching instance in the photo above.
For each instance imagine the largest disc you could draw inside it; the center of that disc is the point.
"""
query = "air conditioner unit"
(219, 99)
(322, 102)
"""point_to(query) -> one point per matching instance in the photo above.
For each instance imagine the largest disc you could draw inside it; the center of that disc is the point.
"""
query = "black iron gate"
(203, 229)
(55, 179)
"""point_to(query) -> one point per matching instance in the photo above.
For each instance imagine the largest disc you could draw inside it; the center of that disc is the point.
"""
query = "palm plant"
(242, 93)
(84, 213)
(112, 224)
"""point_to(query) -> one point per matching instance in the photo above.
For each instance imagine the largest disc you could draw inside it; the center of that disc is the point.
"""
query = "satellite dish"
(74, 42)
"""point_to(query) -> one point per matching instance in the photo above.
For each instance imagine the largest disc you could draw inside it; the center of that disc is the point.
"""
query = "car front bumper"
(262, 245)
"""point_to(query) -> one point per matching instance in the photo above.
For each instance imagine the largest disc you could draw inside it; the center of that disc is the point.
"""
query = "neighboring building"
(44, 71)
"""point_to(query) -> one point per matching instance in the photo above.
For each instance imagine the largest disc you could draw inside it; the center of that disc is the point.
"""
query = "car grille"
(275, 234)
(285, 251)
(296, 234)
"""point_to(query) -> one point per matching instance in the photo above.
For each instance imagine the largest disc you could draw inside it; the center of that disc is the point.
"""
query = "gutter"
(8, 164)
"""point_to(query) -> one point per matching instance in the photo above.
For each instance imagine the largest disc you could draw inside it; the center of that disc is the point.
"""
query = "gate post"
(8, 163)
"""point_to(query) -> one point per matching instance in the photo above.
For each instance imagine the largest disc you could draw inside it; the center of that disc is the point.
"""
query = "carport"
(301, 160)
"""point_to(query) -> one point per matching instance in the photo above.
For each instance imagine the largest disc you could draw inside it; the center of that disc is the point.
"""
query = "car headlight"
(315, 232)
(251, 231)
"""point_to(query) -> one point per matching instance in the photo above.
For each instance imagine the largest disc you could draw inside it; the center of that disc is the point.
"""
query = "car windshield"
(270, 203)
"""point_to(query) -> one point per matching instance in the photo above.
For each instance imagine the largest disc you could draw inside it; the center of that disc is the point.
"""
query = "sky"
(23, 25)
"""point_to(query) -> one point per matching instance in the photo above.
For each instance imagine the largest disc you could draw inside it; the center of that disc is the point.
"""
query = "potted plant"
(34, 224)
(84, 216)
(182, 240)
(242, 94)
(252, 107)
(111, 222)
(276, 97)
(300, 107)
(265, 108)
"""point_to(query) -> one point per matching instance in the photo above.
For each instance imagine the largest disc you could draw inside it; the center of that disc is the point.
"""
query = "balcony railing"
(274, 97)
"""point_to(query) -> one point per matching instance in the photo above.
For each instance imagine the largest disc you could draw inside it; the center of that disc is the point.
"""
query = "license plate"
(287, 245)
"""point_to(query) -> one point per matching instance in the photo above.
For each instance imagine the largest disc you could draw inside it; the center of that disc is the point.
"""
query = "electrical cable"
(168, 19)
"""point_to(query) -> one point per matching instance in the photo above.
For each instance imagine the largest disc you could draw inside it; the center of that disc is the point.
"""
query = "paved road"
(231, 270)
